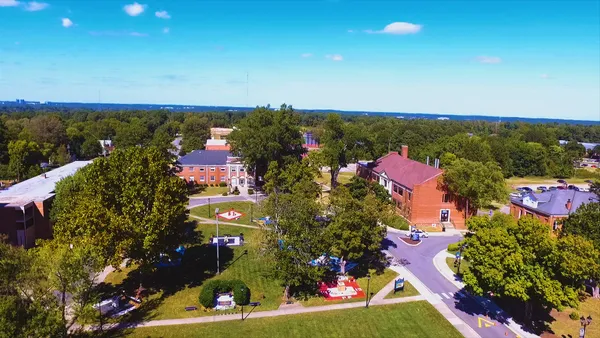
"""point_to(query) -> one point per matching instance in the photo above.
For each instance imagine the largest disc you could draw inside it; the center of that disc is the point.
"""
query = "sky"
(498, 58)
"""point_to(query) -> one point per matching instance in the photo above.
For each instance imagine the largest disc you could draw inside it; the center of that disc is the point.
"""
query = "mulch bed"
(408, 240)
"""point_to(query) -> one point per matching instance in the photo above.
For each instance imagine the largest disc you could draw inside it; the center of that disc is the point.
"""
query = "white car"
(421, 233)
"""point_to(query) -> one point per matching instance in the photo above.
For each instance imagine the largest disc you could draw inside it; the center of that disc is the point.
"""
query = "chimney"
(569, 204)
(404, 151)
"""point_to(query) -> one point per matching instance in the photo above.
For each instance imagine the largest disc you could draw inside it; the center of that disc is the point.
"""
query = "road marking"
(485, 322)
(438, 296)
(445, 296)
(451, 294)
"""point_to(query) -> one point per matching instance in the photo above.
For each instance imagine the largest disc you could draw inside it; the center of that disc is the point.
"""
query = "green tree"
(355, 231)
(130, 204)
(359, 188)
(474, 183)
(267, 135)
(585, 222)
(24, 158)
(195, 130)
(132, 134)
(297, 177)
(60, 156)
(91, 148)
(47, 129)
(524, 262)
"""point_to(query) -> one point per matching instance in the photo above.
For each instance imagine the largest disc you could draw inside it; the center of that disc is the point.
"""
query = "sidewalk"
(447, 233)
(439, 261)
(212, 221)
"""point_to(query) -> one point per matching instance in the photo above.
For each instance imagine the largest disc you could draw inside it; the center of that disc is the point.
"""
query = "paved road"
(419, 260)
(198, 201)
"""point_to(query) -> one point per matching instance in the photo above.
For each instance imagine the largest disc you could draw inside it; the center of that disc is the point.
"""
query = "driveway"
(419, 260)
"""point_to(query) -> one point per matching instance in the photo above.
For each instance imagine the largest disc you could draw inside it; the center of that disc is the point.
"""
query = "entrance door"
(234, 182)
(242, 182)
(444, 215)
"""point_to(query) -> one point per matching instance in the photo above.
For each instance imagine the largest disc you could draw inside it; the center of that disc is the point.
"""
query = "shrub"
(453, 247)
(213, 287)
(222, 184)
(584, 173)
(574, 315)
(225, 193)
(236, 191)
(250, 191)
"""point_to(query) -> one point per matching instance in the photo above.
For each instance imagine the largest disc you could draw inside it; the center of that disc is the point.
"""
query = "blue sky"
(526, 58)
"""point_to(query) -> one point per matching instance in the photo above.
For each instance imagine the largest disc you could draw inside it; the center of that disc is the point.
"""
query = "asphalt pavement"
(419, 261)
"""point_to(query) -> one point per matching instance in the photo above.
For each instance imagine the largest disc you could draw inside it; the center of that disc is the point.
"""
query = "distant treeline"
(32, 135)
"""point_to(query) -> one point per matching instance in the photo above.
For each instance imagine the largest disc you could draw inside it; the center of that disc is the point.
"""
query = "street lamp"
(368, 285)
(584, 324)
(217, 218)
(242, 290)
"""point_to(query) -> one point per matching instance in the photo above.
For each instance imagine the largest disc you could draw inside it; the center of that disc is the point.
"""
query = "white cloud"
(134, 9)
(545, 76)
(34, 6)
(9, 3)
(117, 33)
(162, 14)
(138, 34)
(488, 59)
(66, 22)
(351, 31)
(398, 28)
(306, 55)
(334, 57)
(166, 30)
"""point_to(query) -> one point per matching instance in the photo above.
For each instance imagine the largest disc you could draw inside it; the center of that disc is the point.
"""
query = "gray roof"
(205, 157)
(555, 202)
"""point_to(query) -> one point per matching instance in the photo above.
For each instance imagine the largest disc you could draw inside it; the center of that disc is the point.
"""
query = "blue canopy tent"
(166, 261)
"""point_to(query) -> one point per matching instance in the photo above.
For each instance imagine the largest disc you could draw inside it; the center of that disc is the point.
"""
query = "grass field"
(409, 291)
(377, 283)
(212, 191)
(172, 289)
(343, 178)
(565, 326)
(464, 266)
(523, 181)
(414, 319)
(246, 208)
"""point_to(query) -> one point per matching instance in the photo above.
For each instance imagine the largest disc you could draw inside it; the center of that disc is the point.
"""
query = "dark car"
(572, 187)
(525, 189)
(561, 187)
(542, 188)
(552, 188)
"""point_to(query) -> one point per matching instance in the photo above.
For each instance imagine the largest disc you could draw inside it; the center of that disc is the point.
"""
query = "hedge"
(452, 247)
(250, 191)
(396, 222)
(222, 184)
(213, 287)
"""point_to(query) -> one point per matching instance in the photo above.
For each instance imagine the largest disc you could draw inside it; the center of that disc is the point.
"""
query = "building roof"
(554, 203)
(41, 187)
(403, 171)
(205, 157)
(213, 142)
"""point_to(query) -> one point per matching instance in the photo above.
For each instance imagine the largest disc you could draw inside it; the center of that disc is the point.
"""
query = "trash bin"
(443, 228)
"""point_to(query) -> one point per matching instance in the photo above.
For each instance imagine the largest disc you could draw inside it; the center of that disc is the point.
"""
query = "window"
(222, 170)
(233, 169)
(398, 190)
(242, 170)
(409, 195)
(191, 169)
(212, 178)
(202, 178)
(191, 178)
(212, 169)
(201, 170)
(446, 198)
(222, 178)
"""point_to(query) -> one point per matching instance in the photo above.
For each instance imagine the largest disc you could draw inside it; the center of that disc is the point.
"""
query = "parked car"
(552, 188)
(525, 189)
(572, 187)
(542, 188)
(421, 233)
(561, 187)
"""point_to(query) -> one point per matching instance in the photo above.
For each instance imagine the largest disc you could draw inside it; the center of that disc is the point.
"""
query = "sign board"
(581, 333)
(457, 255)
(399, 284)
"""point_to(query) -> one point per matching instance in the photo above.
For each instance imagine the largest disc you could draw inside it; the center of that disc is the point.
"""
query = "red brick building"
(414, 189)
(213, 167)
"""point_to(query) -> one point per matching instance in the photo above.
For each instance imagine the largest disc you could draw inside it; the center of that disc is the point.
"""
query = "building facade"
(550, 207)
(220, 133)
(25, 207)
(213, 167)
(414, 189)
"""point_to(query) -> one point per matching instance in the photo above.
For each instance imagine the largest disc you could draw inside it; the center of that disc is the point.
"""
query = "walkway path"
(212, 221)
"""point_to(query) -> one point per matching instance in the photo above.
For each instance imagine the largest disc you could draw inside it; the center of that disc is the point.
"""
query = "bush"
(574, 315)
(250, 191)
(213, 287)
(587, 174)
(222, 184)
(225, 193)
(453, 247)
(236, 191)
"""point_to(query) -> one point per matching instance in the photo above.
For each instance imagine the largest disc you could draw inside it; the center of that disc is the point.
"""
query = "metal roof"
(205, 157)
(555, 202)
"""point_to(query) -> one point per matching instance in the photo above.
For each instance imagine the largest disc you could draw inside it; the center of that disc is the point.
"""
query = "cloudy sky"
(531, 59)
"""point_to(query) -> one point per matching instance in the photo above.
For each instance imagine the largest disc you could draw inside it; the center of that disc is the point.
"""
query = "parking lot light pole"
(242, 289)
(585, 322)
(217, 219)
(368, 285)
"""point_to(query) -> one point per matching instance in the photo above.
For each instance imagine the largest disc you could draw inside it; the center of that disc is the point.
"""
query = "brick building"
(25, 207)
(214, 167)
(414, 189)
(214, 144)
(550, 207)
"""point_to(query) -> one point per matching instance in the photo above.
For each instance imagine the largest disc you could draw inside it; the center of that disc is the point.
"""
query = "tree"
(47, 129)
(71, 270)
(359, 188)
(130, 204)
(297, 177)
(355, 231)
(3, 143)
(296, 239)
(23, 157)
(132, 134)
(60, 156)
(475, 183)
(585, 222)
(195, 130)
(267, 135)
(524, 262)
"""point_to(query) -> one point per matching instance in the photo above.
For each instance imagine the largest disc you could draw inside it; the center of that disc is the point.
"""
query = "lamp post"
(584, 324)
(209, 207)
(242, 290)
(368, 285)
(217, 219)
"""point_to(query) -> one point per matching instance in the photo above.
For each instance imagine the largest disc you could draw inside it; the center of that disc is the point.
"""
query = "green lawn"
(172, 289)
(246, 208)
(532, 180)
(211, 191)
(409, 290)
(377, 283)
(565, 326)
(343, 178)
(414, 319)
(464, 266)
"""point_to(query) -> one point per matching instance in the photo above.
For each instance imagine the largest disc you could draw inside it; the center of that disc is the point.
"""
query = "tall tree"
(24, 158)
(476, 184)
(297, 177)
(132, 134)
(47, 129)
(195, 130)
(267, 135)
(130, 204)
